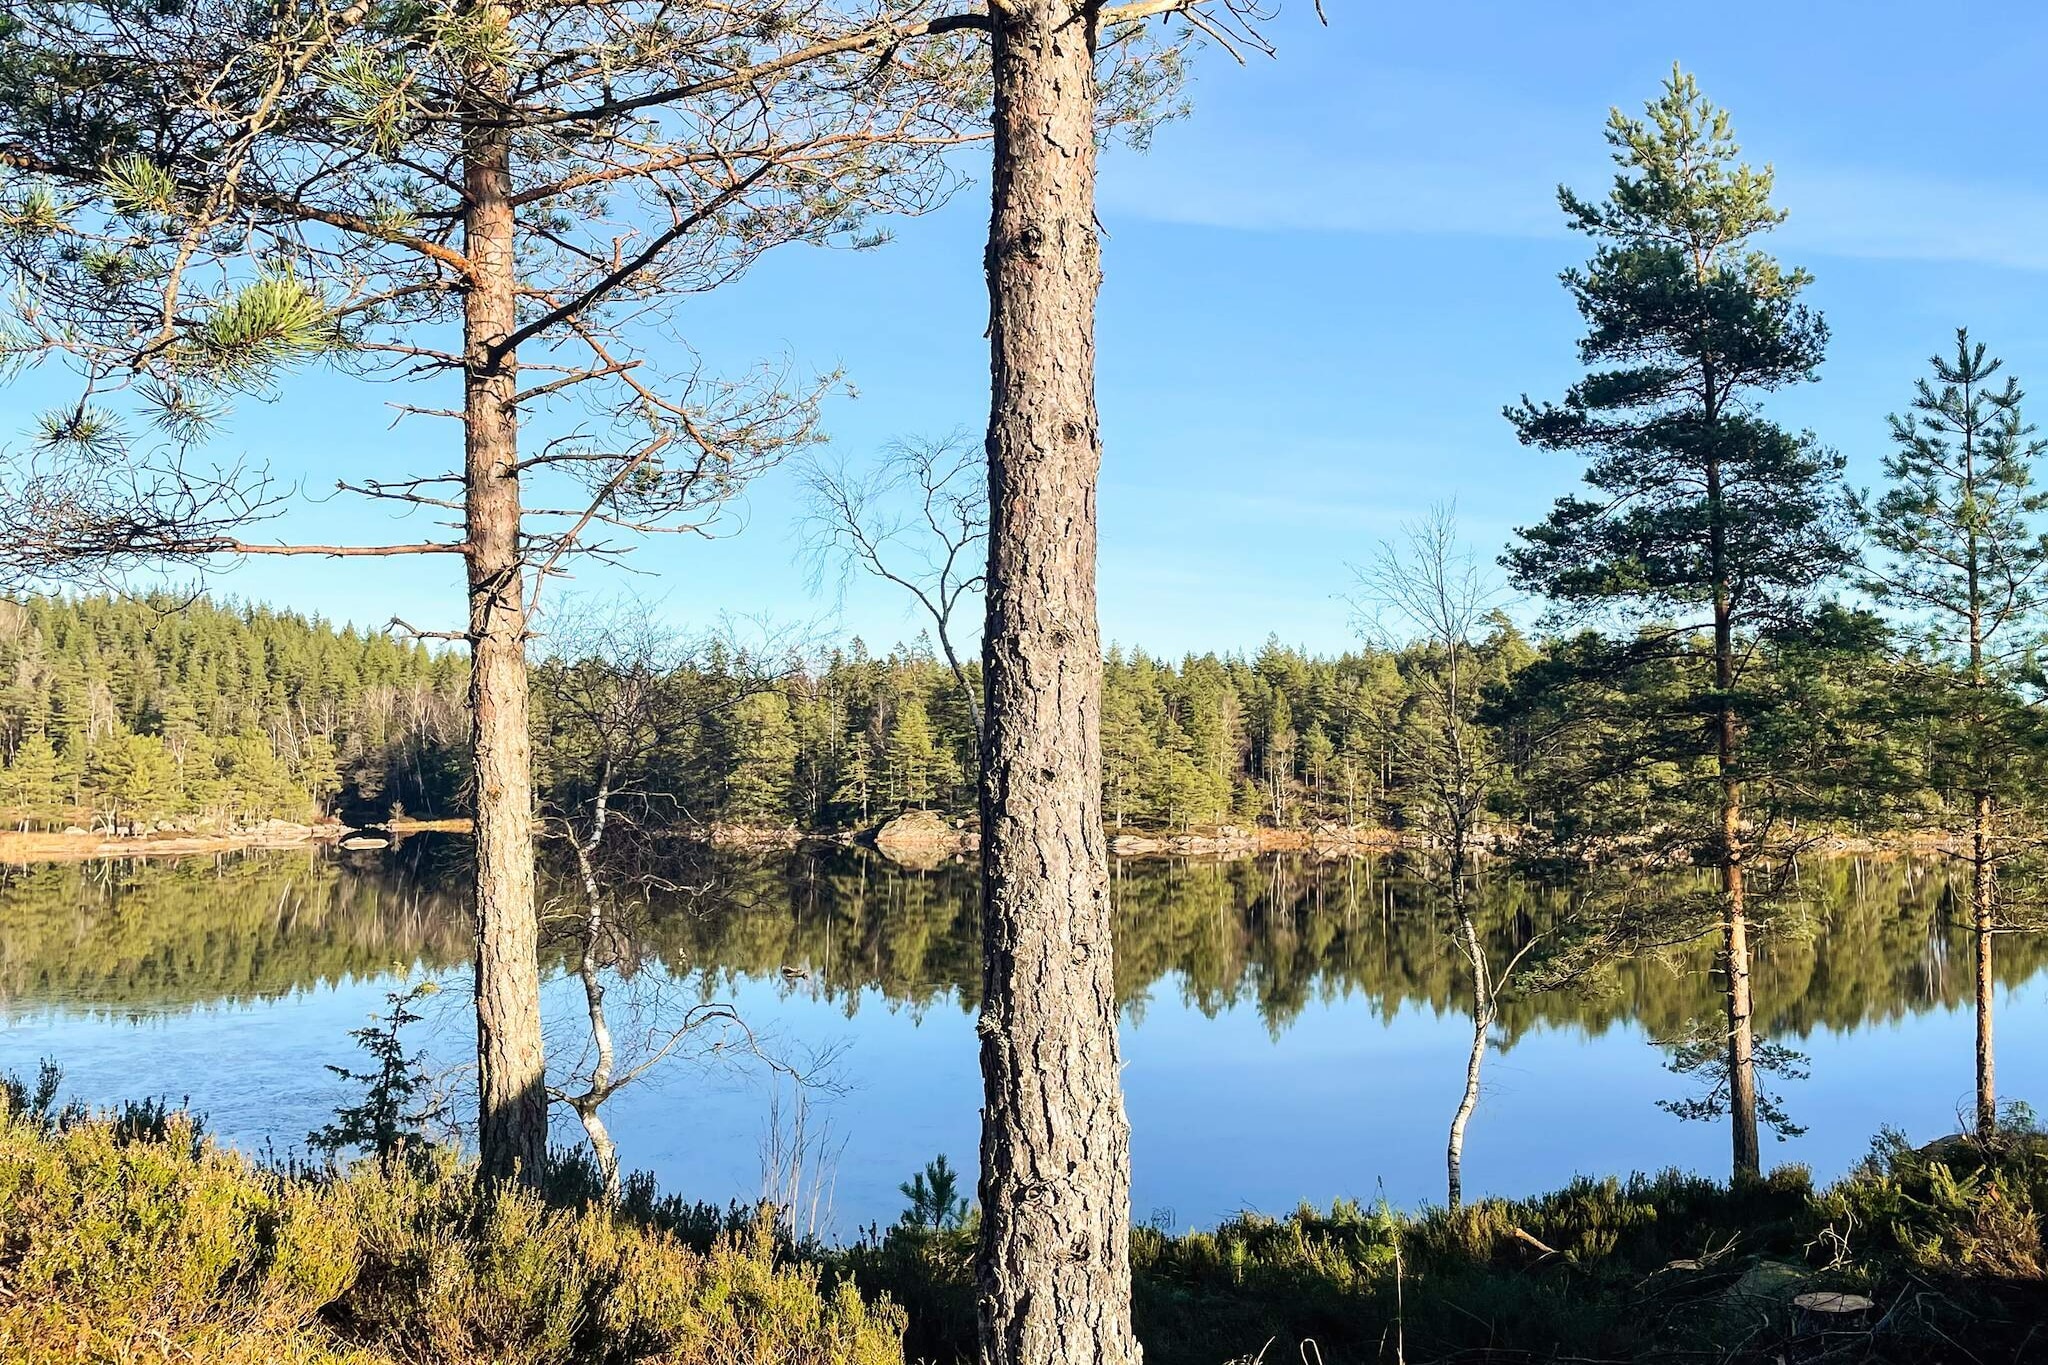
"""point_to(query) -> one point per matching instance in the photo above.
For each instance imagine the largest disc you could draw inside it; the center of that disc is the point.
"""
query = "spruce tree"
(1709, 525)
(912, 753)
(397, 1103)
(855, 791)
(32, 778)
(764, 761)
(130, 776)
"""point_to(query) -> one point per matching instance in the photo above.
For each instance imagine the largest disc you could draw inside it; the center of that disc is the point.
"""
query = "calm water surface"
(1292, 1030)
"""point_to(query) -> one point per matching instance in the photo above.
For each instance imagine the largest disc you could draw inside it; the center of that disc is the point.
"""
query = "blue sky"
(1322, 287)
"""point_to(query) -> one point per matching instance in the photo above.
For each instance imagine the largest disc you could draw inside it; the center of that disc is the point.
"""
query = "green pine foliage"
(1961, 561)
(935, 1198)
(1713, 697)
(762, 772)
(1701, 506)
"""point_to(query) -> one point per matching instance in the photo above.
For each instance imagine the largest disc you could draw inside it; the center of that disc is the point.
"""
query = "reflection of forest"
(231, 927)
(1873, 942)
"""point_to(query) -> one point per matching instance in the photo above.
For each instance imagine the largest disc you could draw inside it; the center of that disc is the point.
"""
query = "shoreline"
(18, 849)
(927, 844)
(916, 840)
(925, 839)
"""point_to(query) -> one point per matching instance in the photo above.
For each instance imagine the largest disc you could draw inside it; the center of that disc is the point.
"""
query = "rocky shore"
(924, 838)
(919, 839)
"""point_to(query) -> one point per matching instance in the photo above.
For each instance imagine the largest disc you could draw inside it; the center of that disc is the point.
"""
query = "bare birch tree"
(620, 695)
(918, 519)
(1426, 589)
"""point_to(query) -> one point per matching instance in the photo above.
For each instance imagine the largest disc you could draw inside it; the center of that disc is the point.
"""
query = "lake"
(1293, 1030)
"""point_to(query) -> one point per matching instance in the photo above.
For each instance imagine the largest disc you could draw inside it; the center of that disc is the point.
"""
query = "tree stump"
(1825, 1311)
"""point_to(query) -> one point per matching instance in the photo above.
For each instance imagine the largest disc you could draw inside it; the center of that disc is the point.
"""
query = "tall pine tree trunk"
(511, 1086)
(1983, 897)
(1983, 887)
(1748, 1156)
(1054, 1270)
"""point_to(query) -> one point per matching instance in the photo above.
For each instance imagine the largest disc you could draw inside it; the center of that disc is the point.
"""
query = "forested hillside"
(121, 710)
(117, 709)
(1278, 737)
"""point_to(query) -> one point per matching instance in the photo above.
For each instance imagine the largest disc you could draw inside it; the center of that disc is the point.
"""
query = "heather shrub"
(146, 1243)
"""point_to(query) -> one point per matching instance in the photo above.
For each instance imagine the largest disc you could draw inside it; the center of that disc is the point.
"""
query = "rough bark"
(512, 1123)
(1054, 1270)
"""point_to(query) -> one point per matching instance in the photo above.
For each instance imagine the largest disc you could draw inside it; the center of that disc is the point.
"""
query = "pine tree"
(130, 776)
(1318, 761)
(935, 1200)
(1175, 789)
(460, 184)
(31, 779)
(1126, 746)
(855, 790)
(1710, 525)
(1963, 558)
(316, 769)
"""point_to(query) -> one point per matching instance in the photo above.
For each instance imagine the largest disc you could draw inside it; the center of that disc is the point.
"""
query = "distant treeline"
(161, 708)
(1278, 737)
(127, 710)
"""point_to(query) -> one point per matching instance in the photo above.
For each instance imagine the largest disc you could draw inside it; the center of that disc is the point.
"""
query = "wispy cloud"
(1251, 181)
(1898, 216)
(1422, 154)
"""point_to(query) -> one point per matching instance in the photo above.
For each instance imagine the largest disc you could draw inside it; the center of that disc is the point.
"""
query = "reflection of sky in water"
(1225, 1115)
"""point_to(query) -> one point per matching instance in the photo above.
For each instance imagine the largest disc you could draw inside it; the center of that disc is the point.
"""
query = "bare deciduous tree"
(1426, 589)
(618, 691)
(918, 518)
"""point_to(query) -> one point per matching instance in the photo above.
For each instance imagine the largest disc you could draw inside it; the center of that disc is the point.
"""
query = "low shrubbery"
(123, 1241)
(1666, 1268)
(126, 1236)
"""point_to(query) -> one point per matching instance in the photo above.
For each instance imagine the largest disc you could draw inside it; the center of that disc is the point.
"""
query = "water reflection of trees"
(1276, 934)
(236, 927)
